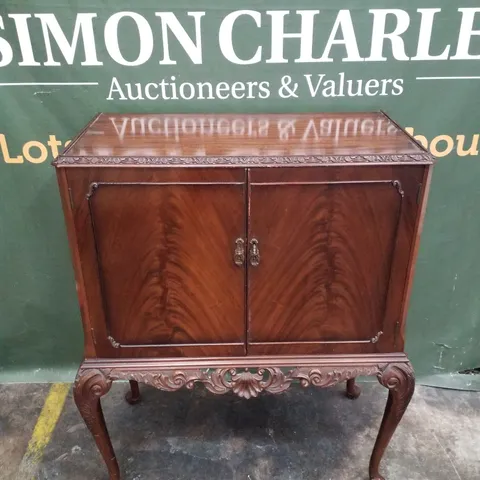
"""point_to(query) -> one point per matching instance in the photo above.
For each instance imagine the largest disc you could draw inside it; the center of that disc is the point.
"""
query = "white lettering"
(24, 40)
(313, 90)
(148, 94)
(466, 34)
(344, 23)
(225, 39)
(305, 35)
(425, 36)
(83, 24)
(115, 88)
(379, 35)
(6, 51)
(144, 32)
(193, 50)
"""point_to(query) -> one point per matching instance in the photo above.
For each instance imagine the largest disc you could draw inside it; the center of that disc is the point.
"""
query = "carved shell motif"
(246, 384)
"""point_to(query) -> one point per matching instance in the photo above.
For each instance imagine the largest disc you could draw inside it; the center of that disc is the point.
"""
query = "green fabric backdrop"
(40, 332)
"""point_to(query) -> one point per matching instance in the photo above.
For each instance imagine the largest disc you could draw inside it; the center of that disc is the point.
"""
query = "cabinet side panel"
(411, 180)
(418, 219)
(89, 345)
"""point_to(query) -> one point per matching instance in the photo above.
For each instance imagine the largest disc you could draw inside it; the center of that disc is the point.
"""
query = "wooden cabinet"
(243, 252)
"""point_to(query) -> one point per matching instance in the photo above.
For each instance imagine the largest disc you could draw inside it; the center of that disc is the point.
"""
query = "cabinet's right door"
(334, 248)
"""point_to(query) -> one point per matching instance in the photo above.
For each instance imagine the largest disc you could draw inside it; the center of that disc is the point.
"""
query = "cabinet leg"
(90, 386)
(133, 395)
(353, 390)
(400, 381)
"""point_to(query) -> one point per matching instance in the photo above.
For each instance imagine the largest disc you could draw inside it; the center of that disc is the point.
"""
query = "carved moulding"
(247, 161)
(244, 382)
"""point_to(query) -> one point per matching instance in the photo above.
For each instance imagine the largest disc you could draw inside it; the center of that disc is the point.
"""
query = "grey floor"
(300, 435)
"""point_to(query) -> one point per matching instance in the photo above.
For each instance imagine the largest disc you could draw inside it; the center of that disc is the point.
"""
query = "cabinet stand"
(241, 377)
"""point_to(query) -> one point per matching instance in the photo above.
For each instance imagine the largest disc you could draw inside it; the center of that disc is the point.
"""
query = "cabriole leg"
(133, 395)
(353, 390)
(90, 386)
(400, 381)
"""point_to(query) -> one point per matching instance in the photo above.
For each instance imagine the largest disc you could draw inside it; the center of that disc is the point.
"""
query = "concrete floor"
(300, 435)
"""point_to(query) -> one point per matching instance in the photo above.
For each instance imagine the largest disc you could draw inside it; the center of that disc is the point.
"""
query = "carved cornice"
(424, 158)
(244, 382)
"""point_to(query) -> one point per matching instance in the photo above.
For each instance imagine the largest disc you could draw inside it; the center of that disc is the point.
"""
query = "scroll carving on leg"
(400, 381)
(90, 386)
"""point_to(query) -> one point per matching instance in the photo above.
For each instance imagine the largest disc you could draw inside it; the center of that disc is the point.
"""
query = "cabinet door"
(162, 253)
(334, 249)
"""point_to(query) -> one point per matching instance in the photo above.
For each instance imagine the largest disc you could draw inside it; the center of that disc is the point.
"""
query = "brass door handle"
(239, 254)
(254, 253)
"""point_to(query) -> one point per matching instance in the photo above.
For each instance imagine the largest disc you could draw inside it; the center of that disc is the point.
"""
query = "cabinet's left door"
(161, 258)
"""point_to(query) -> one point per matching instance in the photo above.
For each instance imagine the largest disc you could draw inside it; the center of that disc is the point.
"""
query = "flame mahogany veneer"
(243, 253)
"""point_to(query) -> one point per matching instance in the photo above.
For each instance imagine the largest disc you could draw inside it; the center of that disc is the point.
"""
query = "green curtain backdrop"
(63, 61)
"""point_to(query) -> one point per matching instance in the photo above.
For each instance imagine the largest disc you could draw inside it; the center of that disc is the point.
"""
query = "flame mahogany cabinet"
(245, 253)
